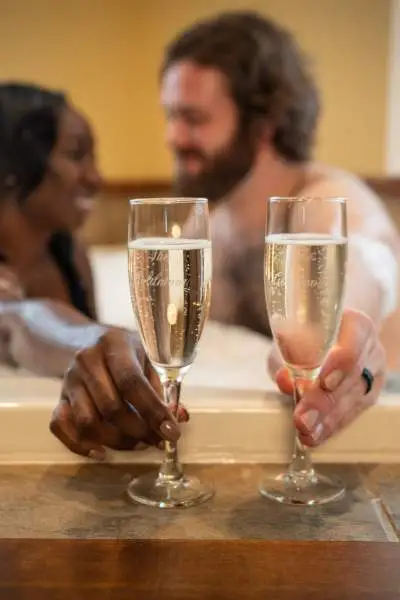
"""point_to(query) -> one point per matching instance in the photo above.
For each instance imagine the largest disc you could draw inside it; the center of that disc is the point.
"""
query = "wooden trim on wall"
(387, 187)
(133, 187)
(383, 186)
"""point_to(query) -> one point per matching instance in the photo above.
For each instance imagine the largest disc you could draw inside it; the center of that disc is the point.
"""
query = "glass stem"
(171, 469)
(301, 464)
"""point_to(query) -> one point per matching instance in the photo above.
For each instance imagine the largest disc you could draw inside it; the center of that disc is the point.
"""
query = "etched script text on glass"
(171, 295)
(304, 280)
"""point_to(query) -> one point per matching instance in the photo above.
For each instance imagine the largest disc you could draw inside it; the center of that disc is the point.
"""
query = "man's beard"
(221, 173)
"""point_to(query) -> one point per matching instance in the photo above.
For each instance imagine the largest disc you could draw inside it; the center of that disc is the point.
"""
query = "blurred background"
(106, 55)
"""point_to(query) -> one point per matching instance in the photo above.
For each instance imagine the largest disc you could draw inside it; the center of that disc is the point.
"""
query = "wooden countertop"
(202, 569)
(70, 533)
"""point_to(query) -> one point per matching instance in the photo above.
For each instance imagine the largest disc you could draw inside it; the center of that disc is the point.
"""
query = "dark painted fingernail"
(161, 445)
(170, 431)
(333, 380)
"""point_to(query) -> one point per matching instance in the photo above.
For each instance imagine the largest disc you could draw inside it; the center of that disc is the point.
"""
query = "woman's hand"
(111, 397)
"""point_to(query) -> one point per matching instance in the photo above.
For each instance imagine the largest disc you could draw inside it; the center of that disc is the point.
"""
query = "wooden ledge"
(198, 570)
(382, 185)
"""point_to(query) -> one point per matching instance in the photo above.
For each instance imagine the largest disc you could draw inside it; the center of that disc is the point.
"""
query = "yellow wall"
(106, 53)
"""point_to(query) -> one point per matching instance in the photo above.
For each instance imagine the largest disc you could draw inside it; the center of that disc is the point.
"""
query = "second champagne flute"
(305, 267)
(170, 281)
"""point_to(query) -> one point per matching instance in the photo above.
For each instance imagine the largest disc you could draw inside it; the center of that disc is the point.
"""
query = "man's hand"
(339, 395)
(111, 397)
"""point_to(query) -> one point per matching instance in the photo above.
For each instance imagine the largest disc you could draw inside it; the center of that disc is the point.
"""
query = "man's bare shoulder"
(364, 205)
(338, 180)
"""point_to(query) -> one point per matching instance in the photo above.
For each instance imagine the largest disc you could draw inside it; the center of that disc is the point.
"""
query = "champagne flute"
(170, 270)
(304, 278)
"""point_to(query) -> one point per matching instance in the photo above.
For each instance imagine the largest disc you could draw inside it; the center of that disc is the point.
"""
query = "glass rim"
(168, 200)
(333, 199)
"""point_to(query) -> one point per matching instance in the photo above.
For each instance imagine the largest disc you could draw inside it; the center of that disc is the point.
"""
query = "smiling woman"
(48, 177)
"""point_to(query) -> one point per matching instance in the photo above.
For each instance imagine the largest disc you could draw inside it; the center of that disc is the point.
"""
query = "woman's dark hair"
(29, 117)
(266, 72)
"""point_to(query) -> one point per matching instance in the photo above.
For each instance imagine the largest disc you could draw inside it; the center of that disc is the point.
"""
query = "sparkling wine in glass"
(170, 270)
(304, 276)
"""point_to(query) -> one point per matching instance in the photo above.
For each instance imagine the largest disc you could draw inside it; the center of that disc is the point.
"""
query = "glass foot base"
(152, 490)
(303, 490)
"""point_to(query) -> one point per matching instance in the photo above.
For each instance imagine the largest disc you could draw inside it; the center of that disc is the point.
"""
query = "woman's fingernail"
(170, 431)
(331, 381)
(317, 433)
(309, 419)
(161, 445)
(98, 455)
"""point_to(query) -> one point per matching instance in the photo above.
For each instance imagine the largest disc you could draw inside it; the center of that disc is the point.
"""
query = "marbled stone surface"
(90, 501)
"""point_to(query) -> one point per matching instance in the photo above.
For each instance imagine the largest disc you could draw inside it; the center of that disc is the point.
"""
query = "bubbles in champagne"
(304, 286)
(170, 283)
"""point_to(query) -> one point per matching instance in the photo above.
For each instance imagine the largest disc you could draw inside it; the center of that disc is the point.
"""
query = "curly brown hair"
(267, 74)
